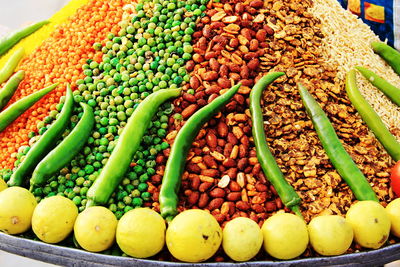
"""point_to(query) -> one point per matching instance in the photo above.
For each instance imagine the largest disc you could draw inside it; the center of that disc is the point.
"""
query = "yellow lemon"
(193, 236)
(393, 210)
(330, 234)
(54, 218)
(285, 236)
(141, 233)
(241, 239)
(3, 185)
(16, 208)
(95, 228)
(370, 222)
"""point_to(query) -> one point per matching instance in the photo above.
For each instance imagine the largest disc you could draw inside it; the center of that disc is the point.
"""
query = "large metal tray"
(74, 257)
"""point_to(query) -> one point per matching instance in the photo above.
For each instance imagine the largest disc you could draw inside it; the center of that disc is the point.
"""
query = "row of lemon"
(195, 235)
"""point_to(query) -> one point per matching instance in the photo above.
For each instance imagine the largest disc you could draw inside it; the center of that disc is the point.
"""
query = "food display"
(201, 131)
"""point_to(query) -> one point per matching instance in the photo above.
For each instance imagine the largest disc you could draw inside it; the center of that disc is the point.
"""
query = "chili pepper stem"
(296, 210)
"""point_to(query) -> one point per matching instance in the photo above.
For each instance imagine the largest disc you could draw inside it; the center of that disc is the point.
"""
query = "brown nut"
(224, 82)
(194, 168)
(211, 139)
(242, 205)
(232, 173)
(205, 186)
(220, 219)
(194, 82)
(253, 64)
(193, 198)
(261, 187)
(210, 172)
(253, 45)
(195, 183)
(188, 97)
(261, 35)
(256, 3)
(229, 163)
(234, 186)
(216, 203)
(187, 112)
(211, 54)
(217, 192)
(203, 200)
(233, 196)
(211, 75)
(222, 129)
(214, 65)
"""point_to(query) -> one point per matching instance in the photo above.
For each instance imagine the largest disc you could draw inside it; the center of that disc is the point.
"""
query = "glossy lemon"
(193, 236)
(141, 233)
(53, 219)
(16, 209)
(370, 223)
(285, 236)
(95, 228)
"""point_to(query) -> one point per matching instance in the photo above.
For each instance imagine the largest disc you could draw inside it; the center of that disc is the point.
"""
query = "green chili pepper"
(10, 114)
(340, 159)
(389, 54)
(128, 143)
(177, 158)
(47, 142)
(9, 88)
(271, 169)
(388, 89)
(7, 42)
(370, 117)
(66, 150)
(11, 64)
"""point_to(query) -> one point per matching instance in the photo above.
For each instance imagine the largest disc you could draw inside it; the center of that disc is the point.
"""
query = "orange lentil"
(59, 59)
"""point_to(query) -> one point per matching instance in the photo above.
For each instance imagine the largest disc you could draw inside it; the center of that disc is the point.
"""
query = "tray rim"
(66, 256)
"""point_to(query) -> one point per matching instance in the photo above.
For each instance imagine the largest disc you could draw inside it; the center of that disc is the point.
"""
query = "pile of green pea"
(148, 54)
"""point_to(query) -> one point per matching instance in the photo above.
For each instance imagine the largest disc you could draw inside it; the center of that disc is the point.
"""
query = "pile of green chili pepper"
(391, 91)
(10, 87)
(7, 42)
(370, 117)
(340, 159)
(389, 54)
(16, 109)
(11, 64)
(177, 158)
(45, 143)
(268, 163)
(66, 150)
(128, 143)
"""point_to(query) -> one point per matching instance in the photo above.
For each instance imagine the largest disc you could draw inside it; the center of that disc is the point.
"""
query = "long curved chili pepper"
(177, 158)
(340, 159)
(389, 54)
(128, 143)
(46, 142)
(7, 42)
(11, 64)
(268, 163)
(370, 117)
(66, 150)
(10, 114)
(391, 91)
(9, 88)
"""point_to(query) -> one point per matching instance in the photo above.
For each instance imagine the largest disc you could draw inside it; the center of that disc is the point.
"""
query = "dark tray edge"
(75, 257)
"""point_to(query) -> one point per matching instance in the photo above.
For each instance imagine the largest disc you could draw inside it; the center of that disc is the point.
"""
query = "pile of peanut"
(240, 41)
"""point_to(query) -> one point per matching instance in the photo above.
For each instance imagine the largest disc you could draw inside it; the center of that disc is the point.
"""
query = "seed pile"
(222, 172)
(147, 54)
(58, 59)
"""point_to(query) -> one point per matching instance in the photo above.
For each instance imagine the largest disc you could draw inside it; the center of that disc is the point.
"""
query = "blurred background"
(15, 13)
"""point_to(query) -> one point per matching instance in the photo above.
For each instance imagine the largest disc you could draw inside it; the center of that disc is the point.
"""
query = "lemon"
(141, 233)
(54, 218)
(193, 236)
(241, 239)
(330, 235)
(16, 208)
(370, 222)
(393, 210)
(3, 185)
(285, 236)
(95, 228)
